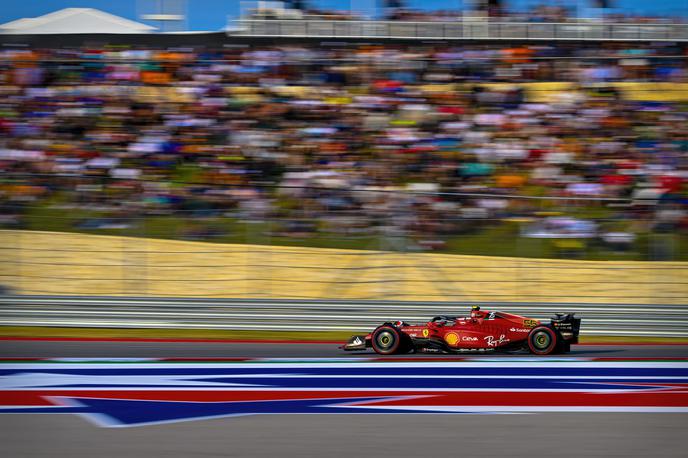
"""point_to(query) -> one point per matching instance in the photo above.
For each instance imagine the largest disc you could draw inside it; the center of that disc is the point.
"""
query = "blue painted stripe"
(430, 382)
(389, 382)
(383, 371)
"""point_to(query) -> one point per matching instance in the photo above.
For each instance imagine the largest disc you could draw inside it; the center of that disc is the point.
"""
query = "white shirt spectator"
(585, 189)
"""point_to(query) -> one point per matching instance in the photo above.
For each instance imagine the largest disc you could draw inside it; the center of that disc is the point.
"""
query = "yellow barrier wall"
(79, 264)
(535, 91)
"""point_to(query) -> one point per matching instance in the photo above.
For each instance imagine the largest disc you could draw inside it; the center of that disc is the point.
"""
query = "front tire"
(386, 340)
(543, 341)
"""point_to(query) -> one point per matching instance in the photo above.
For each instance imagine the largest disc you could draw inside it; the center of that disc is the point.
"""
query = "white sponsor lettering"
(469, 339)
(492, 342)
(519, 330)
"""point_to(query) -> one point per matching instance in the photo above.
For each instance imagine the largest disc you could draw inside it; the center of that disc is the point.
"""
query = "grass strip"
(201, 334)
(221, 334)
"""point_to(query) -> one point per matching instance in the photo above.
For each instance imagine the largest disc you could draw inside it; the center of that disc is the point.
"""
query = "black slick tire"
(543, 341)
(386, 340)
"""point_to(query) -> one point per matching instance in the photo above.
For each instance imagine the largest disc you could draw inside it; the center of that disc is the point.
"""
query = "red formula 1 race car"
(481, 331)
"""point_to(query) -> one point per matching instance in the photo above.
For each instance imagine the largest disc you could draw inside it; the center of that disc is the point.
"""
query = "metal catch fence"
(291, 315)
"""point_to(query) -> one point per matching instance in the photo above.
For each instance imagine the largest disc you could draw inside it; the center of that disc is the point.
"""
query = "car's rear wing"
(568, 326)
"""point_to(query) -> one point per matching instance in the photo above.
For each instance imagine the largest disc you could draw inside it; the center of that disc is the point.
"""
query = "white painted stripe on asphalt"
(89, 360)
(310, 365)
(498, 408)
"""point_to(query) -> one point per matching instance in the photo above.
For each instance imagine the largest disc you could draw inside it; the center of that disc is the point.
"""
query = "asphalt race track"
(557, 435)
(140, 349)
(312, 400)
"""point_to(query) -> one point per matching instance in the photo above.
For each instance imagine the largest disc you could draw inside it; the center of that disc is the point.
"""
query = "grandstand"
(497, 145)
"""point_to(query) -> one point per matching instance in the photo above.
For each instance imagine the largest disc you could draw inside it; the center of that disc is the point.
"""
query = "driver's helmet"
(476, 313)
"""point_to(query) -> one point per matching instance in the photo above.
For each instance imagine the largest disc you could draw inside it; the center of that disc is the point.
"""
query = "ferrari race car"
(481, 331)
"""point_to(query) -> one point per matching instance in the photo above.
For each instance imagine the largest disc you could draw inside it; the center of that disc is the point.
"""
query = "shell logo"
(451, 338)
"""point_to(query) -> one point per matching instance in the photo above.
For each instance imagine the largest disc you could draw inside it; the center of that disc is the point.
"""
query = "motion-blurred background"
(429, 151)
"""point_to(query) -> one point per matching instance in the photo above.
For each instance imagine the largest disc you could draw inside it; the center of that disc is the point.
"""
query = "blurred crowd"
(425, 141)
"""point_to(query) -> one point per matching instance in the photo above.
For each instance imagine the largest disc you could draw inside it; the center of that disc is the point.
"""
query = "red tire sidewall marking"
(550, 349)
(397, 342)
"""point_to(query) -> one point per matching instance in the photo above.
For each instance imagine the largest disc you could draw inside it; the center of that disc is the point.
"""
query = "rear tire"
(543, 341)
(387, 340)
